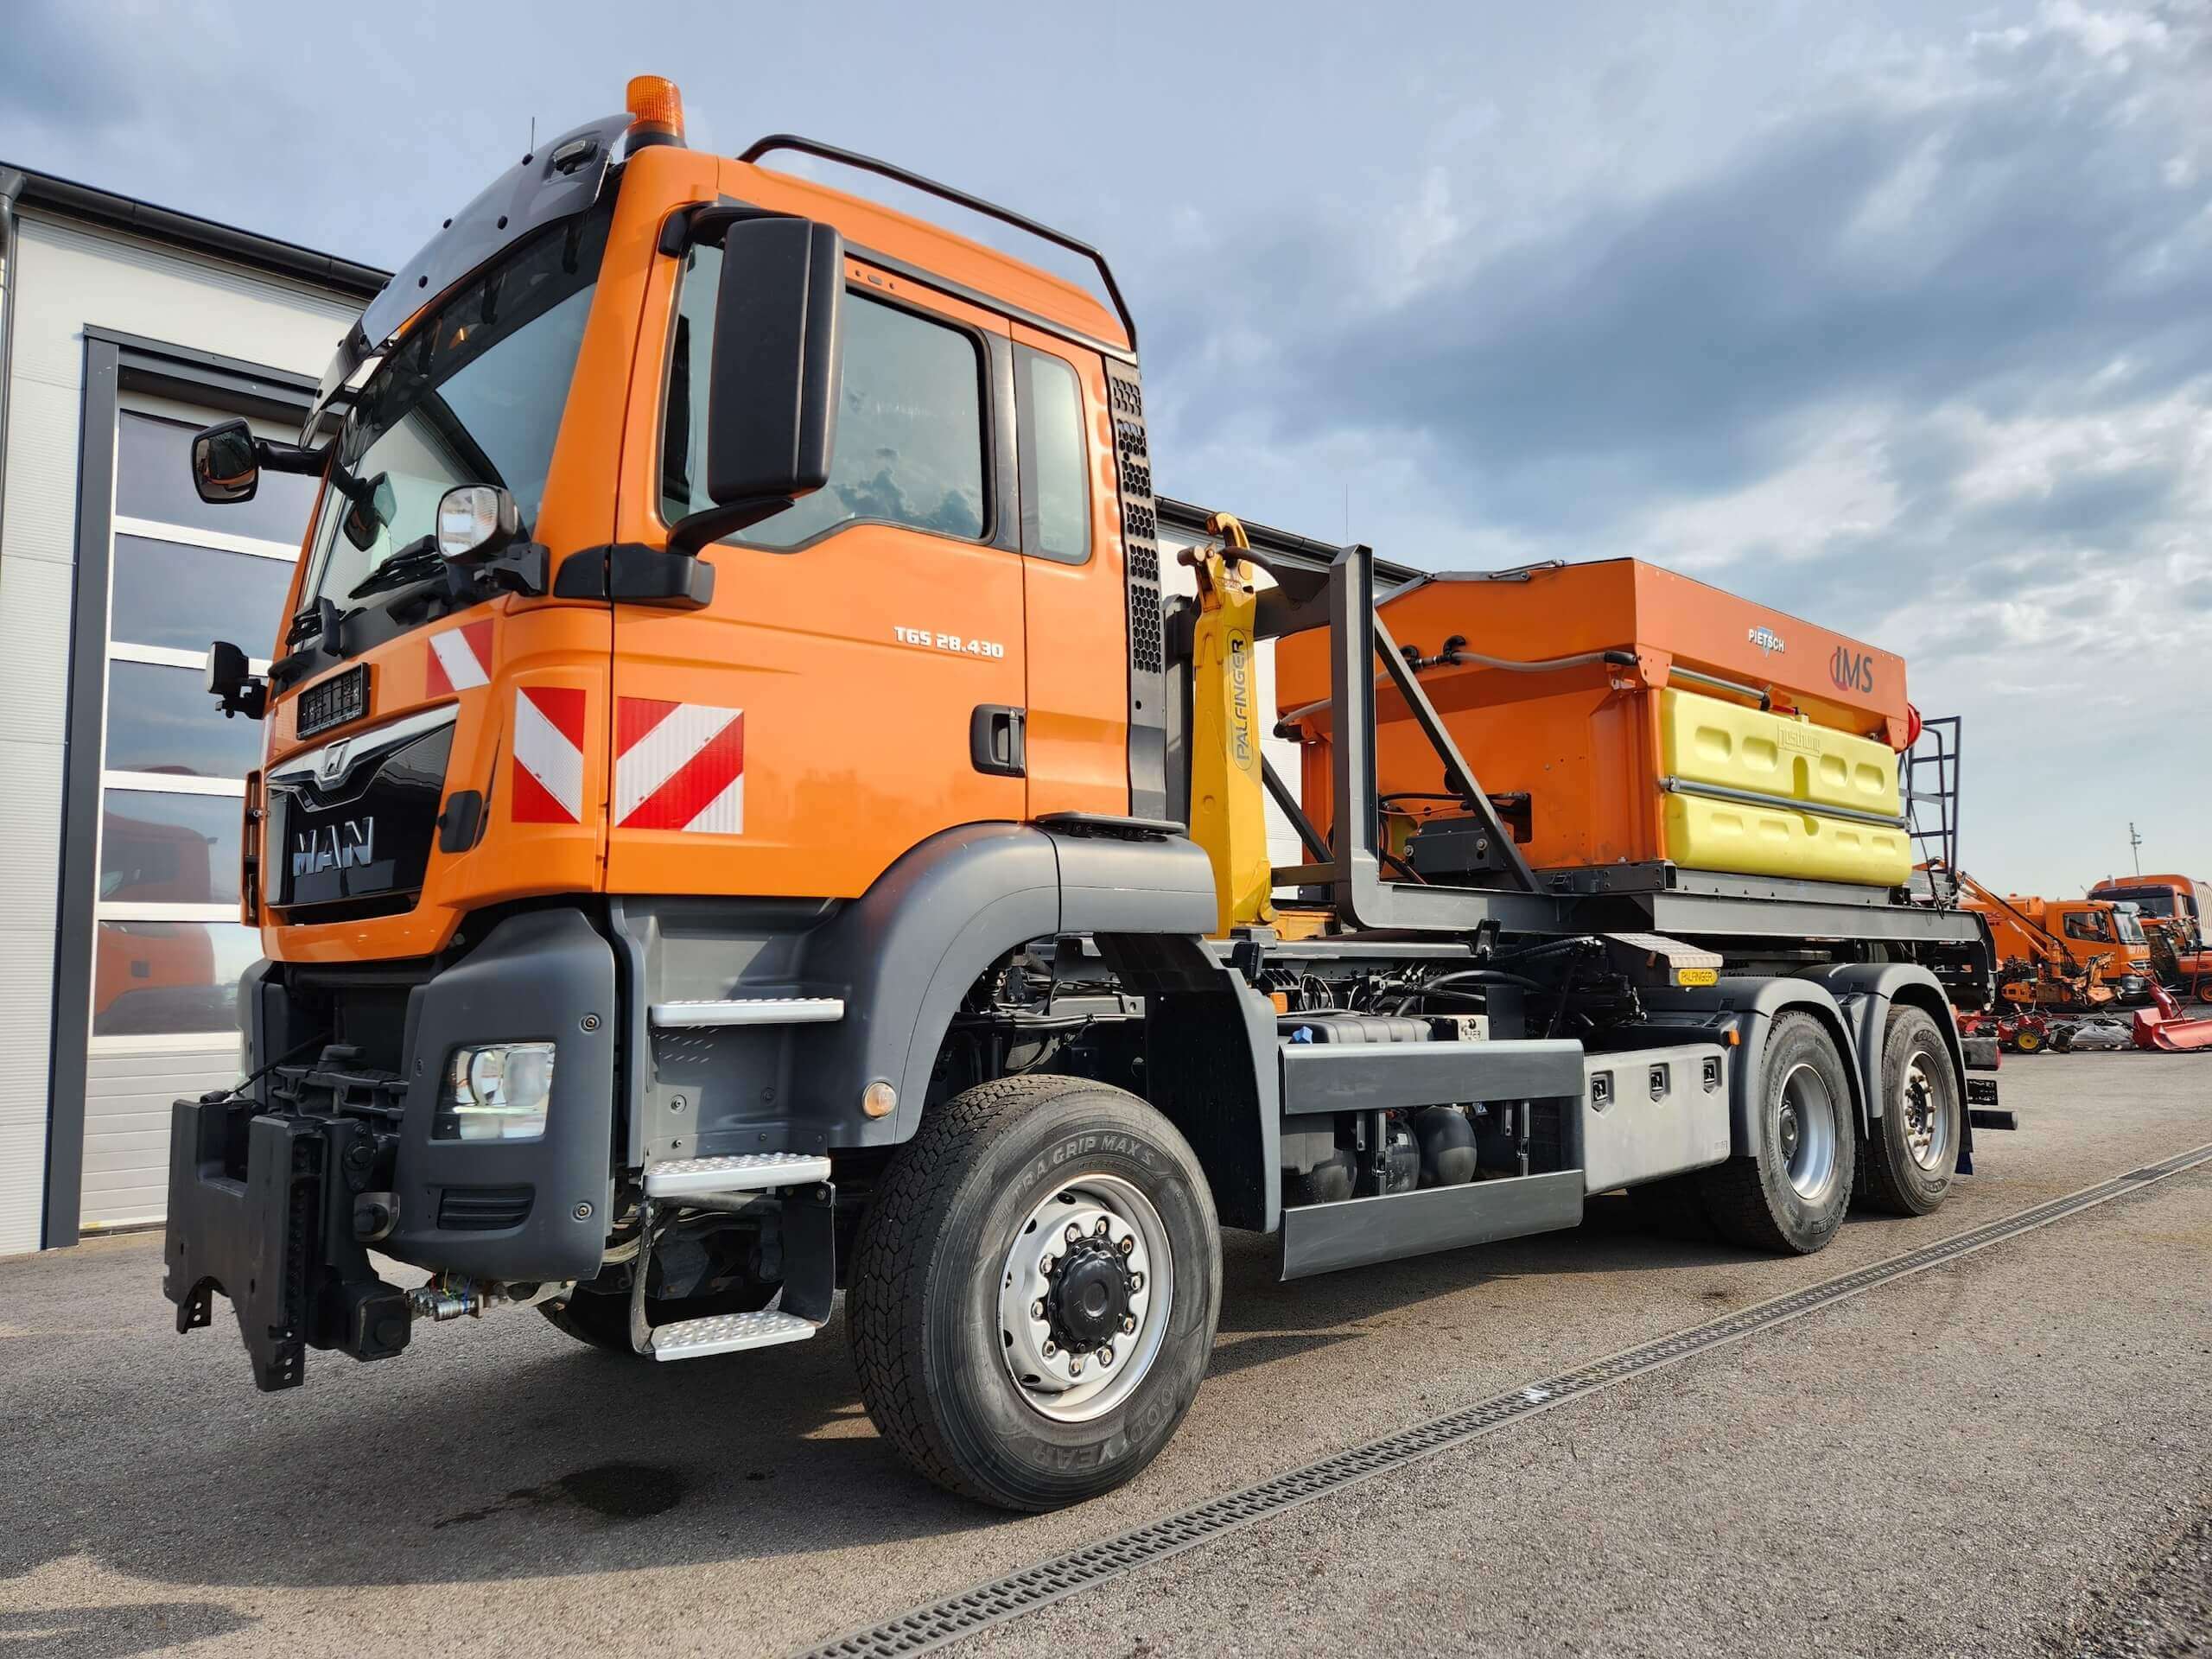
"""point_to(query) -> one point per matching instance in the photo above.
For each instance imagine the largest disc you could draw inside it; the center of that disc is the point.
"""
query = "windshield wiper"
(416, 561)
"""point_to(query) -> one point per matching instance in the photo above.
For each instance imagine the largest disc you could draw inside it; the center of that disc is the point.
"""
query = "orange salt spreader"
(1618, 712)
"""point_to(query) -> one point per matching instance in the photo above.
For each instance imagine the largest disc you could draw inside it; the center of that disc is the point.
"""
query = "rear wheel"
(1792, 1194)
(1034, 1292)
(1911, 1150)
(2204, 988)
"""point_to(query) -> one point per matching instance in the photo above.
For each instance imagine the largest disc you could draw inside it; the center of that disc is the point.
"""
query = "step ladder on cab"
(798, 1181)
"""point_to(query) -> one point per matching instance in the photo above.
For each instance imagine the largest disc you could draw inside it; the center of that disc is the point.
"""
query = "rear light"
(656, 112)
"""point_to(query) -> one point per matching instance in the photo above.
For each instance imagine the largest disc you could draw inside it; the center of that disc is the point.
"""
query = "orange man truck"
(738, 821)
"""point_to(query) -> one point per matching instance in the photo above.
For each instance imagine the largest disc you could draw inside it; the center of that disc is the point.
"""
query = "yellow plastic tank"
(1746, 790)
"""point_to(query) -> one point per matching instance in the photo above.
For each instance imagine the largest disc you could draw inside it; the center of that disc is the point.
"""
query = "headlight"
(496, 1093)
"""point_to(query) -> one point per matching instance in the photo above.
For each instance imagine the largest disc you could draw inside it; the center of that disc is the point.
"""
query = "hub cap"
(1927, 1126)
(1085, 1296)
(1805, 1134)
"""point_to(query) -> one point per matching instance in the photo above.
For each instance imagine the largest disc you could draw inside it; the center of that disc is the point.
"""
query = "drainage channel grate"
(942, 1621)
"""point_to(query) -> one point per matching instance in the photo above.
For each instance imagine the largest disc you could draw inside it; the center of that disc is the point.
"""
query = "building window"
(170, 947)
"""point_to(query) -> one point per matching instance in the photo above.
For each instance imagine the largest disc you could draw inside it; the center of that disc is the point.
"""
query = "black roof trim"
(265, 253)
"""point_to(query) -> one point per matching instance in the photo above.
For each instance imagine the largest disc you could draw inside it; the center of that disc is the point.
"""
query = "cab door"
(1075, 595)
(855, 683)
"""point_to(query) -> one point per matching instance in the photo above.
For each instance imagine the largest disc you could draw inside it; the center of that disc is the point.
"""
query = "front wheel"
(1911, 1150)
(1034, 1291)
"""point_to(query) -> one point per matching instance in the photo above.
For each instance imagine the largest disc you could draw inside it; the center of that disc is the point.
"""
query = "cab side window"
(2087, 924)
(1055, 462)
(910, 422)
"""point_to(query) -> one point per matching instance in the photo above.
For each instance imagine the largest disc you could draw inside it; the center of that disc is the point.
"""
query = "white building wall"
(68, 278)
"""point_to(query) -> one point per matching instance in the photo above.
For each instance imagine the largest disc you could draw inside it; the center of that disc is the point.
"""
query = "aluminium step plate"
(744, 1172)
(751, 1011)
(726, 1333)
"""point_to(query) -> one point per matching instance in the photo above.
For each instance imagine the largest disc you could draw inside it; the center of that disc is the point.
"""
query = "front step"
(726, 1333)
(751, 1011)
(744, 1172)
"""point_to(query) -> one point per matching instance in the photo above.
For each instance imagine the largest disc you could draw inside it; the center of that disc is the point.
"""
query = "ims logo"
(1851, 671)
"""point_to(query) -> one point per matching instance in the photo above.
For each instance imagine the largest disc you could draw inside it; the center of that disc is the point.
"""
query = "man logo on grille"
(347, 845)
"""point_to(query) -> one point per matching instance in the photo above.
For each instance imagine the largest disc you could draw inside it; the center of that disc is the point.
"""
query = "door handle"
(995, 732)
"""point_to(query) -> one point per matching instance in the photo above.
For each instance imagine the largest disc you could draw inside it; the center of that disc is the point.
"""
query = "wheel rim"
(1920, 1109)
(1085, 1293)
(1806, 1132)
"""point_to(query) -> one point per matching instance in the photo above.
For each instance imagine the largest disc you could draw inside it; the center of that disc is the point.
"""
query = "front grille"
(352, 838)
(483, 1209)
(335, 701)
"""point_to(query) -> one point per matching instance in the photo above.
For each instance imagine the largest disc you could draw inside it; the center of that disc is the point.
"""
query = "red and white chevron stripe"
(549, 755)
(460, 659)
(678, 765)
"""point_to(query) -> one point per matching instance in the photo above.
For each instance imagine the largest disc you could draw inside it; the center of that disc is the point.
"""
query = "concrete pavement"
(1951, 1463)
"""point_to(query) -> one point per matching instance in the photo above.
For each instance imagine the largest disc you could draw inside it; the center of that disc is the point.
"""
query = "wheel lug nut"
(1073, 1233)
(1129, 1324)
(1037, 1310)
(1129, 1243)
(1075, 1366)
(1105, 1355)
(1047, 1265)
(1137, 1281)
(1050, 1348)
(1101, 1228)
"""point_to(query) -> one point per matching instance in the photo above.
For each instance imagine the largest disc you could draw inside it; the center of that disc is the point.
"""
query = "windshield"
(2151, 902)
(473, 395)
(2131, 931)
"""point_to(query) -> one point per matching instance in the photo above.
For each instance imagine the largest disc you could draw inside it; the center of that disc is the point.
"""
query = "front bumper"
(277, 1198)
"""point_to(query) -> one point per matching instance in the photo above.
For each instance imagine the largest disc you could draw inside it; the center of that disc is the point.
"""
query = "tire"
(935, 1313)
(2204, 988)
(1910, 1153)
(602, 1318)
(1791, 1196)
(2029, 1040)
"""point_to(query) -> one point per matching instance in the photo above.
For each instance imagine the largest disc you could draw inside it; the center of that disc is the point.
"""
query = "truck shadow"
(505, 1450)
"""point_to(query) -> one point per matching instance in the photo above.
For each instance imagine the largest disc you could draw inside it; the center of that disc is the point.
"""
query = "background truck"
(2173, 904)
(739, 820)
(2064, 953)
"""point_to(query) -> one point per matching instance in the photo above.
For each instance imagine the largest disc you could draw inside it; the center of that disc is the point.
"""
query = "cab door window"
(910, 423)
(2088, 924)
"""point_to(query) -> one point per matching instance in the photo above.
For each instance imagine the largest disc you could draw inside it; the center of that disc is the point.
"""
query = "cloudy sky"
(1894, 315)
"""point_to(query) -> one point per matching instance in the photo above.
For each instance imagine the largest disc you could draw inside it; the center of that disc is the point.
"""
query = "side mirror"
(226, 463)
(772, 399)
(236, 690)
(368, 508)
(476, 520)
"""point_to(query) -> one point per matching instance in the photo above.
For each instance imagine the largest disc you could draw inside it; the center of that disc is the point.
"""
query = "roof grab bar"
(776, 141)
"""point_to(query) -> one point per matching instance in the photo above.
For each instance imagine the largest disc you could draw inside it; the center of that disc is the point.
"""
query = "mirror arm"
(289, 457)
(688, 227)
(709, 525)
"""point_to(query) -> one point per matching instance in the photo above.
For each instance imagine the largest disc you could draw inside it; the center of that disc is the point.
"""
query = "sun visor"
(562, 177)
